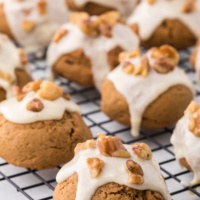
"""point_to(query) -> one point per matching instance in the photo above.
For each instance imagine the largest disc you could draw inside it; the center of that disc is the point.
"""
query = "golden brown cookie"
(43, 144)
(76, 66)
(163, 112)
(169, 32)
(111, 191)
(22, 77)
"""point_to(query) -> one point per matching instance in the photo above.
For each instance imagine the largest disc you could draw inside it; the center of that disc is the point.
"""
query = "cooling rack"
(21, 184)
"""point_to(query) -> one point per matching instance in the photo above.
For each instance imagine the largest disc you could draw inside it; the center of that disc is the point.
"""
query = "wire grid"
(20, 183)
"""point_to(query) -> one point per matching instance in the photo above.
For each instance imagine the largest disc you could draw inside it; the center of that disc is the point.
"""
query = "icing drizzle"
(113, 171)
(95, 48)
(149, 17)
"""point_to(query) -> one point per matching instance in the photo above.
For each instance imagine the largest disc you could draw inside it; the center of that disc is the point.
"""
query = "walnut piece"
(111, 146)
(151, 2)
(22, 56)
(166, 58)
(95, 166)
(27, 26)
(189, 6)
(111, 18)
(18, 93)
(42, 7)
(32, 86)
(89, 144)
(192, 108)
(194, 124)
(128, 67)
(50, 91)
(142, 150)
(135, 172)
(6, 76)
(129, 54)
(59, 35)
(35, 105)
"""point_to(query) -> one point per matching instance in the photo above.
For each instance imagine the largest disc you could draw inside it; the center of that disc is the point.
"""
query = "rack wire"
(22, 184)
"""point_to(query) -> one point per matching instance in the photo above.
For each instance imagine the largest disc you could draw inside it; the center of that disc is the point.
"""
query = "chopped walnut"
(35, 105)
(89, 144)
(106, 30)
(151, 1)
(111, 146)
(27, 26)
(66, 96)
(194, 123)
(50, 91)
(6, 76)
(128, 67)
(111, 18)
(189, 6)
(95, 166)
(166, 58)
(22, 56)
(127, 55)
(135, 172)
(192, 108)
(59, 35)
(18, 93)
(42, 7)
(142, 150)
(32, 86)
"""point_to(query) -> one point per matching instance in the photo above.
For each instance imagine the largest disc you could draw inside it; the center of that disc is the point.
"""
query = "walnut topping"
(192, 108)
(50, 91)
(94, 26)
(111, 146)
(95, 166)
(166, 58)
(27, 26)
(89, 144)
(35, 105)
(59, 35)
(6, 76)
(135, 172)
(142, 150)
(128, 67)
(32, 86)
(18, 93)
(22, 56)
(189, 6)
(129, 54)
(42, 7)
(66, 96)
(151, 1)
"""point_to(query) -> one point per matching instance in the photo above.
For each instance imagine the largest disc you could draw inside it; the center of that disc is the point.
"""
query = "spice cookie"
(87, 48)
(186, 141)
(40, 127)
(148, 91)
(97, 7)
(112, 171)
(13, 67)
(195, 60)
(32, 23)
(161, 22)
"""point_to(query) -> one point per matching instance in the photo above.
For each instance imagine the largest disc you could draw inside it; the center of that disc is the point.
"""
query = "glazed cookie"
(177, 24)
(186, 141)
(32, 23)
(97, 7)
(112, 171)
(195, 60)
(13, 67)
(87, 48)
(148, 91)
(40, 127)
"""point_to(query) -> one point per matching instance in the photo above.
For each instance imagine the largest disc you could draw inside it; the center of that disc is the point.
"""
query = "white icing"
(113, 171)
(197, 64)
(46, 24)
(125, 7)
(187, 145)
(53, 110)
(149, 17)
(9, 61)
(141, 92)
(95, 48)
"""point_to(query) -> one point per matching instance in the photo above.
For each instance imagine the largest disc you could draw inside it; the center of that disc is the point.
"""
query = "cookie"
(40, 127)
(14, 68)
(98, 7)
(186, 141)
(32, 23)
(148, 91)
(95, 164)
(195, 60)
(87, 48)
(177, 25)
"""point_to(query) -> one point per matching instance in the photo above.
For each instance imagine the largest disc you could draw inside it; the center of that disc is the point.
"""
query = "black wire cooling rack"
(21, 184)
